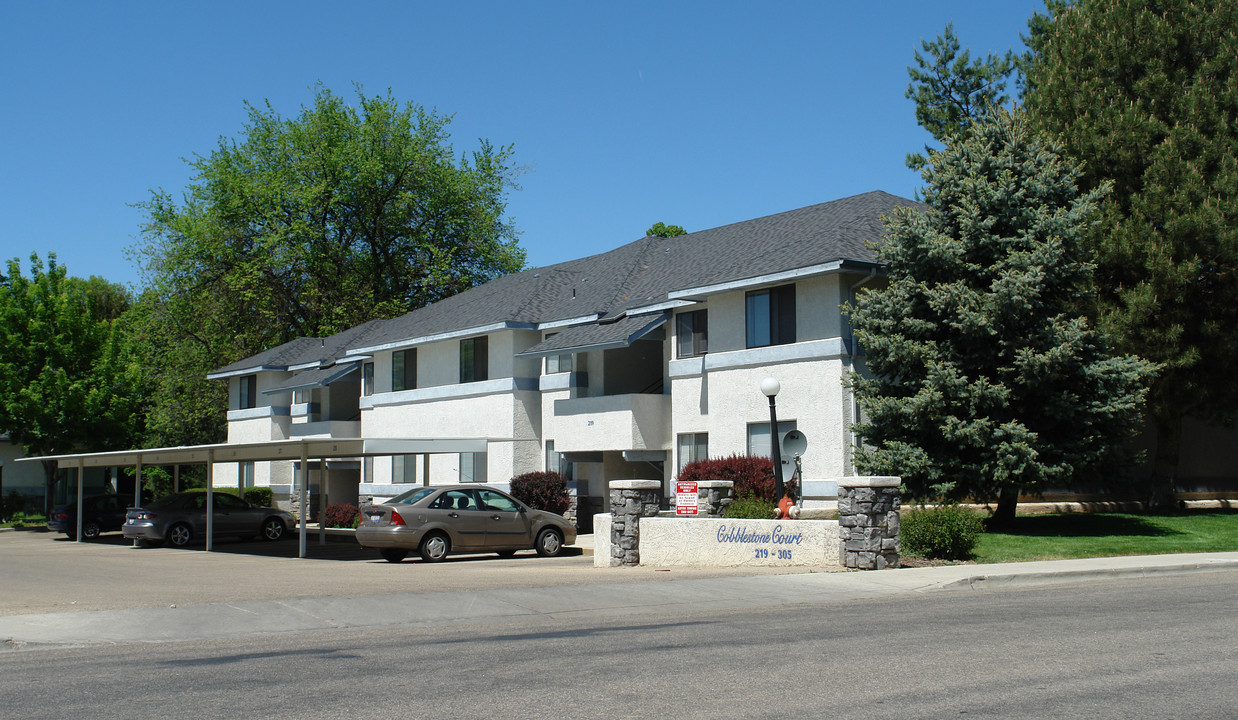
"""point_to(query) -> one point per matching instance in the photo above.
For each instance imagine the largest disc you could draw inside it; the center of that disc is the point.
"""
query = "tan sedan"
(436, 521)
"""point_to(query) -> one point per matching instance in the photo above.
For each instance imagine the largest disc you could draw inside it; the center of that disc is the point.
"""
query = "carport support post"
(81, 510)
(304, 498)
(210, 499)
(137, 490)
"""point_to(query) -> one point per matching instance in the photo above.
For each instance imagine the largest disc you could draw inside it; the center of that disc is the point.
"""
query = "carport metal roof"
(302, 450)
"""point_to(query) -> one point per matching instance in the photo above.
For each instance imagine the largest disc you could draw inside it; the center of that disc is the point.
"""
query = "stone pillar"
(713, 497)
(868, 522)
(630, 500)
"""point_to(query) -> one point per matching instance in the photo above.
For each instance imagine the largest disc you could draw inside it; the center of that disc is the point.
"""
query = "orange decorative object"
(787, 509)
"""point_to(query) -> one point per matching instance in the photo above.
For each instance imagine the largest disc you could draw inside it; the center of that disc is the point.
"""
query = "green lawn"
(1057, 537)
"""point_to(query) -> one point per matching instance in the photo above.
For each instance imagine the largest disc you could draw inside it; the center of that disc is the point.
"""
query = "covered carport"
(300, 450)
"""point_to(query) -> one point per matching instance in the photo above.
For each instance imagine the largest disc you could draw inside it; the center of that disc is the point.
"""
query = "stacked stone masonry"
(630, 500)
(868, 523)
(713, 497)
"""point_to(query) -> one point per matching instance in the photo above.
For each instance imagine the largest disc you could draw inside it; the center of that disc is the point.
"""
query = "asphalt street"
(1160, 646)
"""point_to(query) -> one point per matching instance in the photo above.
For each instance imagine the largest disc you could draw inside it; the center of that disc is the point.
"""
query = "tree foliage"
(1146, 96)
(951, 90)
(983, 382)
(68, 379)
(309, 225)
(666, 231)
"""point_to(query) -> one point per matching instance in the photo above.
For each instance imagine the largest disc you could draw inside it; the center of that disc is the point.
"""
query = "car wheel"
(179, 535)
(90, 530)
(506, 553)
(393, 555)
(549, 542)
(272, 529)
(434, 547)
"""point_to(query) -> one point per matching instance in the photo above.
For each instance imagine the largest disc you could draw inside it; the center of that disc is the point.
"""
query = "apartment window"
(472, 467)
(403, 469)
(557, 363)
(248, 392)
(367, 379)
(474, 359)
(771, 316)
(367, 470)
(301, 396)
(691, 334)
(247, 474)
(403, 370)
(555, 462)
(693, 447)
(758, 443)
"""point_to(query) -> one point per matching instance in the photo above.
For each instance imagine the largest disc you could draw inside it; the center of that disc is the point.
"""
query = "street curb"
(979, 582)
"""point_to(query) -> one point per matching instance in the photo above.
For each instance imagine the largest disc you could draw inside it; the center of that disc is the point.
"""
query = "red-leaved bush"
(753, 476)
(341, 515)
(542, 491)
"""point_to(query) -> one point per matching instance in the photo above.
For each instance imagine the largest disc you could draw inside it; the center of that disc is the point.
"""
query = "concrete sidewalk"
(411, 609)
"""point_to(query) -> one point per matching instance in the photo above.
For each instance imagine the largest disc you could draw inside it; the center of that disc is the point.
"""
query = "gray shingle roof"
(598, 336)
(642, 272)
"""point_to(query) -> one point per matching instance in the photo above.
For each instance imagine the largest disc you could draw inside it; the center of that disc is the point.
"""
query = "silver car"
(181, 518)
(436, 521)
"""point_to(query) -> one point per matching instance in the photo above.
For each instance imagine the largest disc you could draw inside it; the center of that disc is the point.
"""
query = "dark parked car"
(436, 521)
(104, 513)
(181, 519)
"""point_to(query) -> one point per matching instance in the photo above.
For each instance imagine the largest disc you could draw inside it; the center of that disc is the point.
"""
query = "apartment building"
(621, 365)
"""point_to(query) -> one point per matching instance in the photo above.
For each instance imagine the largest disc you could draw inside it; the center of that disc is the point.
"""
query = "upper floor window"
(771, 316)
(248, 392)
(558, 363)
(403, 370)
(367, 379)
(691, 334)
(474, 359)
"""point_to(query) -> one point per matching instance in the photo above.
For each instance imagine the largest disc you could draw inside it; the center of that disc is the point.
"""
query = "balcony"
(611, 422)
(326, 429)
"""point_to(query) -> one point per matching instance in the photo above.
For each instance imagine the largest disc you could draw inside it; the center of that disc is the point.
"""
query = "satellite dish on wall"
(794, 443)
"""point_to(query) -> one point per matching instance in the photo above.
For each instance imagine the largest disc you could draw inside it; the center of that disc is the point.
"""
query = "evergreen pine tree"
(983, 380)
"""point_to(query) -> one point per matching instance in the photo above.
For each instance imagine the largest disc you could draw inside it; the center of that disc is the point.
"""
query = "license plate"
(376, 518)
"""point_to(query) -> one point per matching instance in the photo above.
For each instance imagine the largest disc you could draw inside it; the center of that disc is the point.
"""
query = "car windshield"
(410, 497)
(168, 501)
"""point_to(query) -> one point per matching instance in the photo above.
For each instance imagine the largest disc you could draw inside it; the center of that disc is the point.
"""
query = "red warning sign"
(686, 499)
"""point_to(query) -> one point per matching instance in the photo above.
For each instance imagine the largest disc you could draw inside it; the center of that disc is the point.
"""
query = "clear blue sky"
(626, 114)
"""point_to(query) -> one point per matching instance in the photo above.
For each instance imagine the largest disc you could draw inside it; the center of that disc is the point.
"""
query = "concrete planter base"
(719, 542)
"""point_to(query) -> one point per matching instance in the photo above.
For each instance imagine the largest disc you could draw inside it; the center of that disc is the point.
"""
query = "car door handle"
(496, 517)
(452, 514)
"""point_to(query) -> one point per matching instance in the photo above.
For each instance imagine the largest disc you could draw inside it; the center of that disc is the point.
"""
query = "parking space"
(45, 572)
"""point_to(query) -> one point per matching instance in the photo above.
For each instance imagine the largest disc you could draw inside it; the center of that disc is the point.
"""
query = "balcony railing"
(611, 422)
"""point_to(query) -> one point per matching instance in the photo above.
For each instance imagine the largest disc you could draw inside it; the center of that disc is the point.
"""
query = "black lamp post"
(770, 387)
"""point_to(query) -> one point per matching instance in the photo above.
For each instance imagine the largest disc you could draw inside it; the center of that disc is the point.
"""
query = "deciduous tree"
(662, 230)
(68, 380)
(305, 226)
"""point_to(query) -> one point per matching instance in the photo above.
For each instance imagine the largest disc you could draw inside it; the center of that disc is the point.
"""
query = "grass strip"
(1059, 537)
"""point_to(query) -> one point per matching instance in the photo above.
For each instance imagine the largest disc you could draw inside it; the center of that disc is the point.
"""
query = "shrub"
(341, 515)
(752, 476)
(948, 532)
(260, 496)
(542, 491)
(750, 507)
